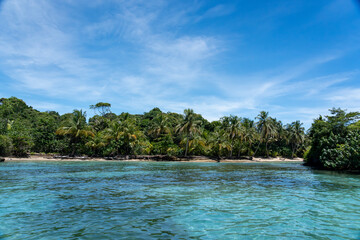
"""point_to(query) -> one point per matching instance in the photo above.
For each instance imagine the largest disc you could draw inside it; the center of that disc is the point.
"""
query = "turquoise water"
(151, 200)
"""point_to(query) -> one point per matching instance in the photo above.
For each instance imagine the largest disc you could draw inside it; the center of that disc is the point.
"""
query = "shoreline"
(193, 159)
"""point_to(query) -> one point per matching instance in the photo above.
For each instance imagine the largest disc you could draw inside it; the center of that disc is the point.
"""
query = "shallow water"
(151, 200)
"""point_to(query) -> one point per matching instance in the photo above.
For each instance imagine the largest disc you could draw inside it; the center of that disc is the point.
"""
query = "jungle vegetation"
(335, 141)
(332, 142)
(24, 130)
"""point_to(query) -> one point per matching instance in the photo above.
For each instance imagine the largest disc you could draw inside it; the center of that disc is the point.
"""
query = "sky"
(294, 59)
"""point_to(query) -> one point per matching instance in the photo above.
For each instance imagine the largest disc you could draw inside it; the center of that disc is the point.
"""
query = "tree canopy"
(335, 141)
(24, 130)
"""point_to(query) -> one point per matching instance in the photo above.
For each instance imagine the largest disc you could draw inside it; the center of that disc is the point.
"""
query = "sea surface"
(168, 200)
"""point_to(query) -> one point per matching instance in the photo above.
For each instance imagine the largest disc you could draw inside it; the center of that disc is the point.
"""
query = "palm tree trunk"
(249, 149)
(73, 144)
(266, 147)
(187, 146)
(293, 150)
(257, 149)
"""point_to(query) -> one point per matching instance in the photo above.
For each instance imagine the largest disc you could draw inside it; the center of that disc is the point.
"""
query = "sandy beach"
(192, 159)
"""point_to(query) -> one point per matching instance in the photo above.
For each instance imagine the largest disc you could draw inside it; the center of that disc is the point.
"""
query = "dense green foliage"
(335, 141)
(24, 130)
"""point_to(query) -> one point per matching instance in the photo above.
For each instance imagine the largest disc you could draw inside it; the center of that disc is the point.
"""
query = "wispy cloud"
(345, 97)
(216, 11)
(142, 54)
(39, 54)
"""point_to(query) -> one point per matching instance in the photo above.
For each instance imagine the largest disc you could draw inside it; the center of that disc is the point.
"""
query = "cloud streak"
(140, 54)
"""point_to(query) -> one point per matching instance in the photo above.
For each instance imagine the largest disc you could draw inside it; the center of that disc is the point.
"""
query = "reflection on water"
(150, 200)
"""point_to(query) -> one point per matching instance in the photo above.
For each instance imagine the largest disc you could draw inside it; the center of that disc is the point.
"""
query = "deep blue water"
(151, 200)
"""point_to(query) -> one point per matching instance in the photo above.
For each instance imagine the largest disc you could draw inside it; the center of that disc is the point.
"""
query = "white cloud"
(147, 63)
(216, 11)
(349, 97)
(39, 54)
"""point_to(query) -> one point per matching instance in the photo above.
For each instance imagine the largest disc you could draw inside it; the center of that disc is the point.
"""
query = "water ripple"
(122, 200)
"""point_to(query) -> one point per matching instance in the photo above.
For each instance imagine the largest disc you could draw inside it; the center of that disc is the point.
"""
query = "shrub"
(21, 146)
(5, 146)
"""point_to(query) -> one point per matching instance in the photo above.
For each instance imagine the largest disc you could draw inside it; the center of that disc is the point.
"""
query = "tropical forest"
(332, 142)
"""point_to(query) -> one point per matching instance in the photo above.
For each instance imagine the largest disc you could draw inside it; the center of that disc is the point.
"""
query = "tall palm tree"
(189, 126)
(233, 130)
(267, 129)
(249, 133)
(197, 144)
(76, 128)
(296, 136)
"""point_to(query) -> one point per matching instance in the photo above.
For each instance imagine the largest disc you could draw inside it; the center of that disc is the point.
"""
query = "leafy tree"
(334, 141)
(20, 133)
(102, 107)
(24, 129)
(43, 133)
(341, 153)
(12, 108)
(6, 146)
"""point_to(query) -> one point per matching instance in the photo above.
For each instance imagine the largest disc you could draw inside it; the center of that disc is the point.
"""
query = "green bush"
(5, 146)
(335, 145)
(306, 153)
(21, 146)
(274, 154)
(174, 151)
(342, 153)
(286, 152)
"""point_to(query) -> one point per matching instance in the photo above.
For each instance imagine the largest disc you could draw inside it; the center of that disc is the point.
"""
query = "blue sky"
(295, 59)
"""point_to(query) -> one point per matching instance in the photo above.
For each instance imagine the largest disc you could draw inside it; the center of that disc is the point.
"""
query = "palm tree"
(249, 133)
(160, 126)
(124, 134)
(97, 143)
(197, 144)
(296, 136)
(217, 142)
(267, 129)
(189, 126)
(99, 123)
(233, 130)
(76, 128)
